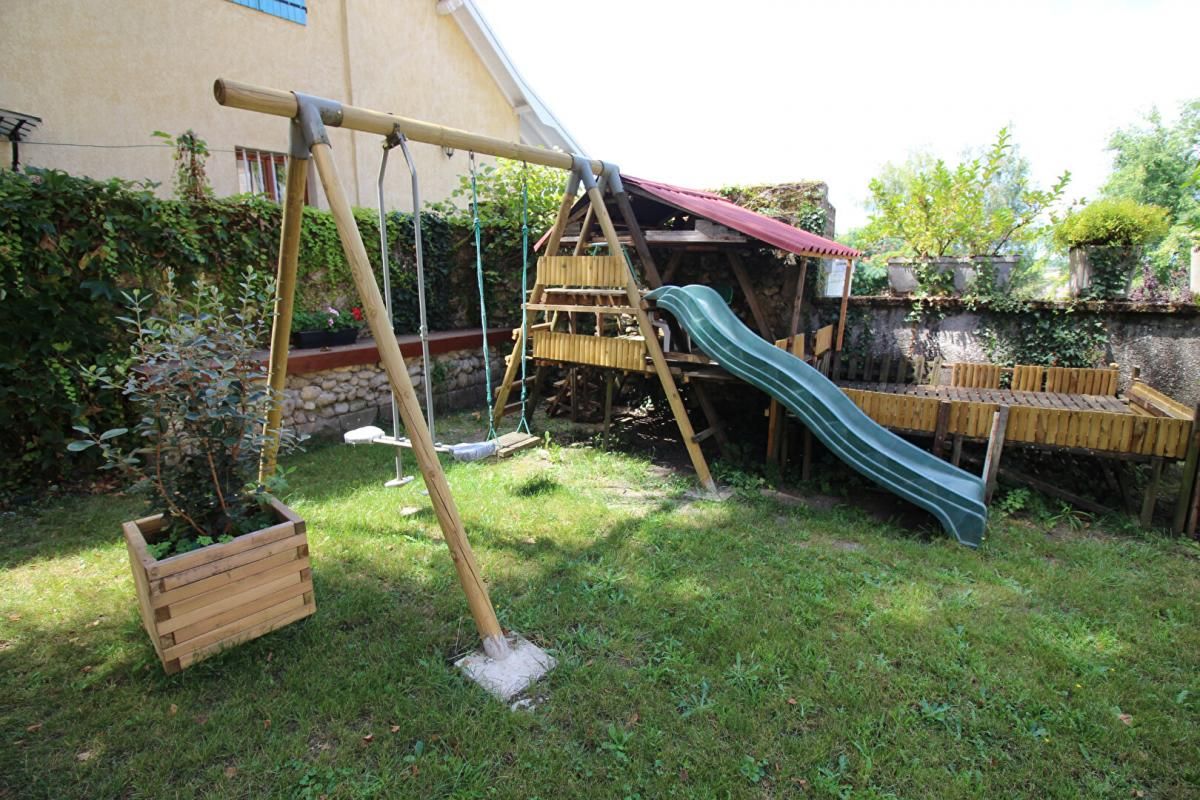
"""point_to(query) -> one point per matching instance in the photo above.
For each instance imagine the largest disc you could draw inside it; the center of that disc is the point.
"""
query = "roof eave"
(538, 125)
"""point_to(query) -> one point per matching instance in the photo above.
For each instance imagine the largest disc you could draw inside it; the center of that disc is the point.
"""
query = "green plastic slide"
(953, 496)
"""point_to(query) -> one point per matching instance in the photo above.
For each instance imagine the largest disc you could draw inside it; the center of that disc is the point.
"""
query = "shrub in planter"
(947, 275)
(1104, 241)
(326, 328)
(952, 224)
(225, 561)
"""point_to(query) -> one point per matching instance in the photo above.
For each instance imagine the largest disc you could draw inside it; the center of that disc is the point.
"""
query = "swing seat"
(365, 435)
(373, 435)
(510, 443)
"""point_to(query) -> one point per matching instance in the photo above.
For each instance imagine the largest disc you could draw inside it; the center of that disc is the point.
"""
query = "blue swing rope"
(487, 364)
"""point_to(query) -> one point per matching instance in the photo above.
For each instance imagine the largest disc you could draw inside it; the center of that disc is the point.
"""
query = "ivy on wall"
(1014, 332)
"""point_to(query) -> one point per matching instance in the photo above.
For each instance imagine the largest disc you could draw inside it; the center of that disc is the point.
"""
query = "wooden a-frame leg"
(469, 576)
(285, 292)
(654, 349)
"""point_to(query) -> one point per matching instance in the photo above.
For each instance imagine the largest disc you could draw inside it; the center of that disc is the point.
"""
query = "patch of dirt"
(842, 544)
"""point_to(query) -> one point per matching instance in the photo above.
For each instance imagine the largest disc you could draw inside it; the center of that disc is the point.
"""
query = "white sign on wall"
(835, 277)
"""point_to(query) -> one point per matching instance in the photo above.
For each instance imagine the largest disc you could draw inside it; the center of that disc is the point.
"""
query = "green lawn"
(736, 649)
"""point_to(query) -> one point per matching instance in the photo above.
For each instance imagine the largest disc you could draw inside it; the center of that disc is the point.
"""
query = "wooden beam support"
(285, 293)
(798, 299)
(841, 328)
(743, 279)
(714, 419)
(1150, 499)
(1054, 491)
(469, 576)
(991, 464)
(654, 349)
(941, 428)
(250, 97)
(673, 262)
(653, 280)
(1188, 477)
(608, 400)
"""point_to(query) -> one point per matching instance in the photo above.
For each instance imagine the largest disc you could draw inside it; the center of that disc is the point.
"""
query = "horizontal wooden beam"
(280, 103)
(577, 309)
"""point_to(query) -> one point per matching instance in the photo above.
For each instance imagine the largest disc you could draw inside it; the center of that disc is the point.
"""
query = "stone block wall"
(332, 401)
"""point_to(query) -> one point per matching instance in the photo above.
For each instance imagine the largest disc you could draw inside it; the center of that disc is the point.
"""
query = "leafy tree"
(1159, 164)
(984, 206)
(1155, 163)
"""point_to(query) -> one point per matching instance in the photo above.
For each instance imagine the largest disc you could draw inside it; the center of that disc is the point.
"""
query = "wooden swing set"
(564, 285)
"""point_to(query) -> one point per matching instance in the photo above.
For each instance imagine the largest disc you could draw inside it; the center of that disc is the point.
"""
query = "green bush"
(1114, 223)
(70, 245)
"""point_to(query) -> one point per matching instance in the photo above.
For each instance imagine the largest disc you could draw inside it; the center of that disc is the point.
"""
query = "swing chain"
(487, 365)
(524, 422)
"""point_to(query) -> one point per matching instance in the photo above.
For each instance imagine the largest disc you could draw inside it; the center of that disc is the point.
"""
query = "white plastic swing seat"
(373, 435)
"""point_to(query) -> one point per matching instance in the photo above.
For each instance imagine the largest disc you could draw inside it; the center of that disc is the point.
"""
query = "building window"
(291, 10)
(262, 172)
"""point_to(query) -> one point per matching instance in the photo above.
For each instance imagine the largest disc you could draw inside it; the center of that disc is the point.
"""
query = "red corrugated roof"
(765, 229)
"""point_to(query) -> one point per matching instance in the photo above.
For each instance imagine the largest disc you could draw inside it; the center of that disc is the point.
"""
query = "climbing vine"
(1018, 332)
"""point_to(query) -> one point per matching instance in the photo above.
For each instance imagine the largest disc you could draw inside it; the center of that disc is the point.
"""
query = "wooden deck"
(1008, 397)
(1097, 424)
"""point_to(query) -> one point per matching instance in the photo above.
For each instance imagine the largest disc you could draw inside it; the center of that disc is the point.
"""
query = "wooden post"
(710, 413)
(1188, 477)
(806, 462)
(585, 230)
(956, 450)
(440, 498)
(653, 280)
(942, 426)
(608, 398)
(1150, 499)
(775, 424)
(798, 302)
(991, 464)
(285, 293)
(841, 330)
(743, 279)
(673, 262)
(653, 348)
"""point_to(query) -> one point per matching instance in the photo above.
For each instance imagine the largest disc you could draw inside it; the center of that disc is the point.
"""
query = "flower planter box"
(308, 340)
(197, 604)
(902, 273)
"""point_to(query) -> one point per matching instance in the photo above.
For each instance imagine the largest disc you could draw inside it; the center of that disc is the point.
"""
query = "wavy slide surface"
(952, 495)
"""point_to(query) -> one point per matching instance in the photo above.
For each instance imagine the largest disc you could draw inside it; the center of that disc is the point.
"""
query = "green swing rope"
(487, 364)
(524, 423)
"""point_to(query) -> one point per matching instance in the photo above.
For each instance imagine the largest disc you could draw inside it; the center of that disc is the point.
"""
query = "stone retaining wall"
(336, 400)
(1163, 341)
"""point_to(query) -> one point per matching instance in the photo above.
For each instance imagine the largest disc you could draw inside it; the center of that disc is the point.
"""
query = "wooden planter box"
(197, 604)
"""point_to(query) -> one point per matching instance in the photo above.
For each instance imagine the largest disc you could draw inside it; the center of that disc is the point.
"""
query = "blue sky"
(705, 93)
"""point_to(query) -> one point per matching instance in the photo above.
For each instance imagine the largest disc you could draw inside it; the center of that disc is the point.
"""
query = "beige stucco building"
(102, 77)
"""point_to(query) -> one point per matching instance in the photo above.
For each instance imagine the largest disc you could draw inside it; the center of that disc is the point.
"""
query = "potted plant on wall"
(328, 327)
(1104, 242)
(948, 226)
(225, 561)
